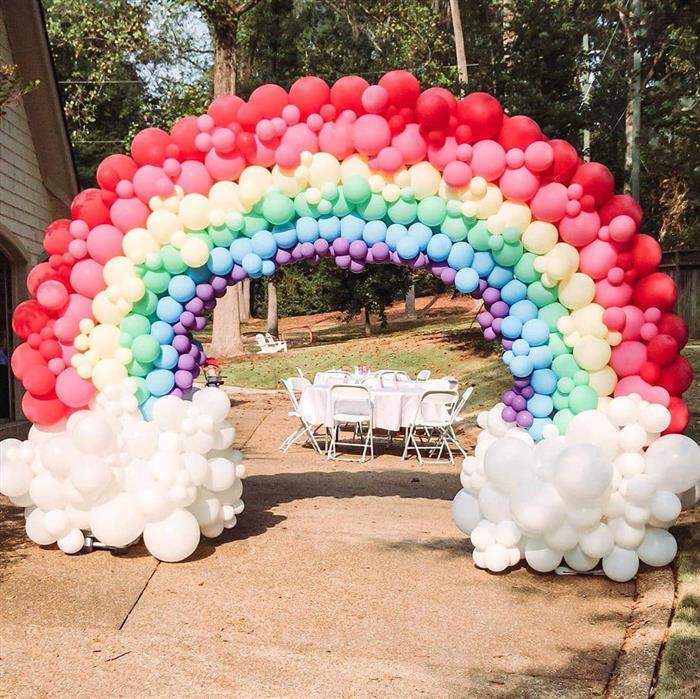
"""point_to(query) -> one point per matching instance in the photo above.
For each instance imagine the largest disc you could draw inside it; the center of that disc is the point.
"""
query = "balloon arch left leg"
(582, 461)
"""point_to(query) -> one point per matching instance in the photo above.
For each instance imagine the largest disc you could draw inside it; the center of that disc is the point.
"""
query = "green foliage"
(12, 86)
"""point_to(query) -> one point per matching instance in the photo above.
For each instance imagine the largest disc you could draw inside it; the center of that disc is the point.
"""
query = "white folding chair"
(451, 436)
(423, 375)
(300, 373)
(392, 377)
(434, 415)
(294, 384)
(339, 376)
(281, 345)
(452, 381)
(351, 406)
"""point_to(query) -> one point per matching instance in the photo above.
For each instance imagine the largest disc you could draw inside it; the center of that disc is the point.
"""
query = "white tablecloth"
(393, 407)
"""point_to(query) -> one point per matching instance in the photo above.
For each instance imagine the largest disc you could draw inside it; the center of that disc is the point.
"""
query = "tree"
(272, 317)
(459, 41)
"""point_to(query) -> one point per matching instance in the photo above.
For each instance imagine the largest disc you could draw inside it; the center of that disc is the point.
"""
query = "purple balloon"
(195, 305)
(208, 305)
(508, 414)
(518, 403)
(219, 284)
(524, 419)
(496, 325)
(370, 257)
(491, 295)
(237, 274)
(283, 257)
(485, 319)
(358, 250)
(479, 291)
(527, 392)
(307, 250)
(437, 269)
(200, 322)
(197, 371)
(321, 246)
(183, 379)
(195, 353)
(176, 392)
(341, 246)
(448, 275)
(521, 383)
(508, 397)
(182, 344)
(380, 252)
(489, 334)
(180, 329)
(395, 259)
(186, 361)
(499, 309)
(506, 344)
(343, 261)
(296, 252)
(204, 291)
(187, 318)
(356, 267)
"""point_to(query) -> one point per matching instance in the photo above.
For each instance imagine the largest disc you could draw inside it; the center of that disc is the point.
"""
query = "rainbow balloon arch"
(582, 461)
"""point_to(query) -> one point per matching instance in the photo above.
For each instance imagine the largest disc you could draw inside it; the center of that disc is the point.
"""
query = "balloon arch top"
(385, 173)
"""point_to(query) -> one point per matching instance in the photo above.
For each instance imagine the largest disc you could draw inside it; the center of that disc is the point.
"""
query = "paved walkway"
(341, 579)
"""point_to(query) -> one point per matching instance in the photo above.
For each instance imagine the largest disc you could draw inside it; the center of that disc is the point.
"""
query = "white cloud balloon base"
(109, 473)
(605, 492)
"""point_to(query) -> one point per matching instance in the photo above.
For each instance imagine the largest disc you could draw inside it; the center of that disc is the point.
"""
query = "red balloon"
(248, 116)
(519, 132)
(346, 93)
(618, 205)
(183, 133)
(482, 113)
(680, 416)
(57, 237)
(149, 147)
(309, 94)
(432, 112)
(270, 99)
(39, 380)
(650, 372)
(92, 206)
(29, 317)
(41, 273)
(596, 180)
(675, 326)
(50, 349)
(662, 349)
(445, 94)
(403, 87)
(677, 376)
(114, 168)
(646, 254)
(224, 109)
(43, 411)
(655, 290)
(23, 358)
(565, 164)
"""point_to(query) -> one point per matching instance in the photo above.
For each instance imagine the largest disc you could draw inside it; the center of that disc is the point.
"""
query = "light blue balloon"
(461, 255)
(508, 357)
(394, 233)
(199, 275)
(544, 381)
(240, 248)
(541, 357)
(147, 407)
(163, 332)
(351, 227)
(499, 277)
(467, 280)
(374, 232)
(168, 357)
(285, 236)
(536, 332)
(511, 328)
(181, 288)
(252, 264)
(524, 310)
(407, 247)
(521, 367)
(537, 427)
(307, 229)
(268, 267)
(423, 235)
(439, 247)
(160, 381)
(169, 310)
(220, 261)
(329, 227)
(540, 406)
(264, 245)
(513, 292)
(521, 347)
(483, 263)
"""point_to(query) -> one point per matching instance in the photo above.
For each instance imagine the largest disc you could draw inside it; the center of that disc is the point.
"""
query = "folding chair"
(434, 414)
(423, 375)
(451, 436)
(351, 405)
(298, 383)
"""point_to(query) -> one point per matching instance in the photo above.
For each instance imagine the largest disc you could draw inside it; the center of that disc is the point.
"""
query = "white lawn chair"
(339, 376)
(391, 376)
(451, 436)
(434, 416)
(351, 407)
(294, 384)
(267, 347)
(452, 381)
(300, 373)
(423, 375)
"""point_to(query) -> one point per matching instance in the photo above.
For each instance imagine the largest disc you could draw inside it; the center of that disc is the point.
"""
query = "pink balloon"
(628, 358)
(488, 160)
(581, 229)
(596, 259)
(411, 144)
(374, 99)
(66, 329)
(86, 278)
(301, 138)
(72, 390)
(336, 139)
(56, 365)
(78, 248)
(52, 295)
(457, 174)
(636, 384)
(371, 133)
(608, 294)
(539, 156)
(194, 178)
(549, 203)
(388, 159)
(224, 166)
(145, 181)
(519, 184)
(104, 242)
(634, 319)
(67, 352)
(443, 155)
(129, 213)
(265, 153)
(79, 307)
(622, 228)
(614, 318)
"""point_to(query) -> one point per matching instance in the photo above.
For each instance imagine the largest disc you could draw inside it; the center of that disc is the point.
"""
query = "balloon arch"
(363, 174)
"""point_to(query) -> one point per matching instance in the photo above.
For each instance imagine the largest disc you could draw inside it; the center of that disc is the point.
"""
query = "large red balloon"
(43, 411)
(149, 147)
(596, 180)
(662, 349)
(57, 237)
(646, 253)
(656, 290)
(224, 109)
(565, 164)
(41, 273)
(519, 132)
(39, 380)
(677, 376)
(23, 358)
(676, 327)
(618, 205)
(680, 416)
(346, 93)
(403, 87)
(482, 113)
(29, 317)
(92, 206)
(183, 134)
(270, 99)
(432, 112)
(309, 94)
(114, 168)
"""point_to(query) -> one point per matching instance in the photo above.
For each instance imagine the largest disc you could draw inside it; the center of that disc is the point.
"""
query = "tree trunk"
(633, 117)
(272, 318)
(368, 325)
(586, 86)
(459, 41)
(225, 59)
(411, 303)
(245, 299)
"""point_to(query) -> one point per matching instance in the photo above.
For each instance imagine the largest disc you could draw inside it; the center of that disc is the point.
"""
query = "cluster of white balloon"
(591, 494)
(109, 472)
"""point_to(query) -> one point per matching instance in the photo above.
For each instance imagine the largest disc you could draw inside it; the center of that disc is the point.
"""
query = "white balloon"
(15, 475)
(507, 461)
(536, 507)
(72, 542)
(221, 475)
(213, 530)
(621, 565)
(213, 402)
(484, 534)
(541, 558)
(465, 511)
(154, 503)
(493, 504)
(117, 522)
(563, 538)
(582, 472)
(622, 411)
(579, 561)
(90, 475)
(626, 535)
(224, 435)
(655, 418)
(174, 538)
(658, 547)
(93, 434)
(57, 523)
(665, 506)
(36, 530)
(674, 460)
(47, 493)
(497, 558)
(598, 542)
(507, 533)
(594, 425)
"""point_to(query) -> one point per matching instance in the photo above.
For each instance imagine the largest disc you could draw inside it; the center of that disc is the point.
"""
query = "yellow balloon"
(540, 237)
(118, 269)
(194, 212)
(577, 291)
(515, 214)
(425, 179)
(138, 243)
(224, 195)
(287, 181)
(108, 372)
(603, 382)
(105, 311)
(104, 340)
(162, 224)
(132, 289)
(253, 184)
(194, 252)
(592, 353)
(324, 168)
(354, 165)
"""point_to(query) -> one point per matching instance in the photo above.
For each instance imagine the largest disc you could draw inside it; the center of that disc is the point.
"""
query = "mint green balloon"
(511, 235)
(135, 324)
(525, 271)
(454, 228)
(432, 211)
(145, 349)
(565, 366)
(550, 313)
(562, 420)
(509, 254)
(582, 398)
(153, 261)
(479, 236)
(135, 368)
(357, 190)
(142, 393)
(254, 222)
(581, 377)
(402, 211)
(303, 208)
(277, 208)
(560, 400)
(146, 305)
(172, 260)
(330, 191)
(340, 208)
(557, 345)
(374, 209)
(325, 207)
(204, 237)
(221, 236)
(157, 282)
(125, 339)
(565, 385)
(541, 295)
